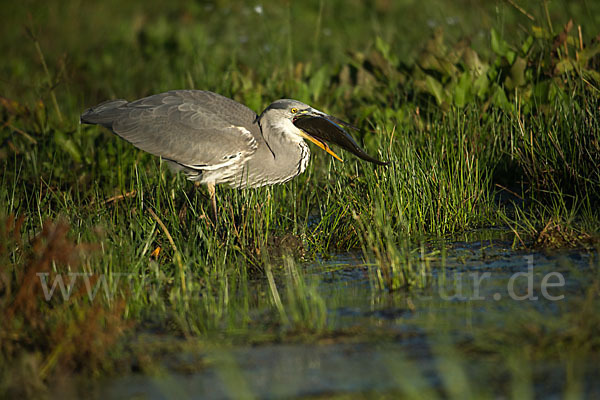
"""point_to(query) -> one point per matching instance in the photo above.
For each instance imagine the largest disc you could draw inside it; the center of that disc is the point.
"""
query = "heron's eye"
(294, 110)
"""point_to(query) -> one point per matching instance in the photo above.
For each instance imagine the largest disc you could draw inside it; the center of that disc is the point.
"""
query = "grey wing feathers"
(191, 127)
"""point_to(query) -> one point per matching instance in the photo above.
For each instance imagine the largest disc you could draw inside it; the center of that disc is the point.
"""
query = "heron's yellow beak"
(322, 145)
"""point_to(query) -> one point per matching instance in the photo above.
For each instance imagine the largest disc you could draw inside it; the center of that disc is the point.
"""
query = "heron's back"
(197, 130)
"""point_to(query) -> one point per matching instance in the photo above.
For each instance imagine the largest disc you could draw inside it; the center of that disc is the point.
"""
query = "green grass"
(501, 130)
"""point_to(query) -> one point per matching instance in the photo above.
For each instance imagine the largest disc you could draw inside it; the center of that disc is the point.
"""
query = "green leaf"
(481, 86)
(564, 66)
(592, 75)
(526, 46)
(499, 99)
(68, 145)
(589, 52)
(540, 33)
(435, 88)
(540, 91)
(318, 82)
(253, 98)
(462, 90)
(517, 72)
(385, 50)
(501, 48)
(473, 62)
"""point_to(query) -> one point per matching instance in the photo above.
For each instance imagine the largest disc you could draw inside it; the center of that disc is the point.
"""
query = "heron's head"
(301, 121)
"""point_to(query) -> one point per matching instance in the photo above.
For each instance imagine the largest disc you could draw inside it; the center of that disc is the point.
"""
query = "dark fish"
(329, 129)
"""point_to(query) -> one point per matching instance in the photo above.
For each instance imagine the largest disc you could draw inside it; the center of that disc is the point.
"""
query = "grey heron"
(215, 140)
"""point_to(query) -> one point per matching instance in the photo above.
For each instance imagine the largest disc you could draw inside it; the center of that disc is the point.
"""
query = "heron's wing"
(197, 129)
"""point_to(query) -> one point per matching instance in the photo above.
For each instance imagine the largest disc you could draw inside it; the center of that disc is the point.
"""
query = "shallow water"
(391, 342)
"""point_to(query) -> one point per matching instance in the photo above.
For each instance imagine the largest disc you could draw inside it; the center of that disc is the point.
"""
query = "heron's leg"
(213, 198)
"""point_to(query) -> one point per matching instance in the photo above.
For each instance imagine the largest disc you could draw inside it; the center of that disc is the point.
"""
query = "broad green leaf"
(481, 85)
(385, 50)
(563, 66)
(526, 46)
(462, 90)
(589, 52)
(435, 88)
(499, 99)
(68, 145)
(473, 62)
(517, 72)
(501, 48)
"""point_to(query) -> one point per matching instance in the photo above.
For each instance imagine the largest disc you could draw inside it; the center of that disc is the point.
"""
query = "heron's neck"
(285, 142)
(285, 155)
(280, 130)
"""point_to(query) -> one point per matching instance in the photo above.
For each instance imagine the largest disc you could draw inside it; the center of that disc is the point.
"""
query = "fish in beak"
(321, 128)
